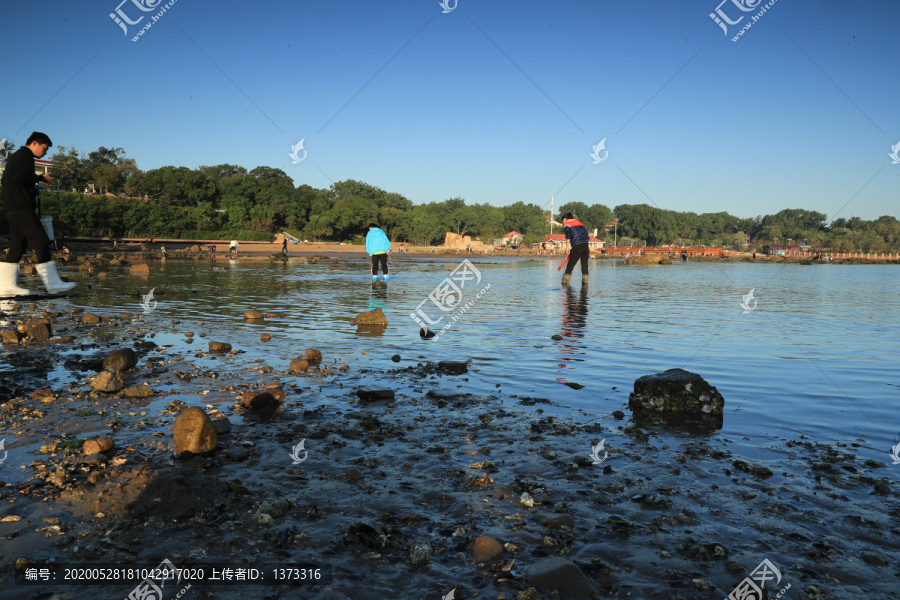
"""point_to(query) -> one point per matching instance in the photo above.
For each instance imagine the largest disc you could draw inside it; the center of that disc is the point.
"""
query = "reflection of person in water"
(574, 321)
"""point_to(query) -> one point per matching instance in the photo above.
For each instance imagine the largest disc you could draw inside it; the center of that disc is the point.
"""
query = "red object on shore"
(563, 263)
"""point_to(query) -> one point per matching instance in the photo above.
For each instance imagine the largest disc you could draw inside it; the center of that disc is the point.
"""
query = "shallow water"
(817, 354)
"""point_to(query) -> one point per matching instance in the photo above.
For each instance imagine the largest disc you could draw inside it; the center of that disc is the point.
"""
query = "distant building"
(40, 166)
(513, 238)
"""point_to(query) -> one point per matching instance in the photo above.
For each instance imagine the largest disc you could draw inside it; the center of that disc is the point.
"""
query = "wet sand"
(394, 492)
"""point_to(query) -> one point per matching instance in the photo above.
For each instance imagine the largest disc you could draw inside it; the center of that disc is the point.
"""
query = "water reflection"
(574, 322)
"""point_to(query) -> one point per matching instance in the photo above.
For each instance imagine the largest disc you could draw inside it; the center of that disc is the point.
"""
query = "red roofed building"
(513, 238)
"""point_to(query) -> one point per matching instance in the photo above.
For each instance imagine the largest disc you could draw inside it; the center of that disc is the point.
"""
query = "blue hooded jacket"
(575, 231)
(377, 242)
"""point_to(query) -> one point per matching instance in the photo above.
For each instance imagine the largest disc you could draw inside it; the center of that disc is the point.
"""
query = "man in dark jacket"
(20, 203)
(577, 236)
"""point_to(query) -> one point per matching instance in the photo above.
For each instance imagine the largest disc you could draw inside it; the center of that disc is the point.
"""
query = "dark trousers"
(579, 252)
(25, 229)
(379, 258)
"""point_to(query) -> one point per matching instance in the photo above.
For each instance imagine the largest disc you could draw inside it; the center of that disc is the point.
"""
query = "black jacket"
(19, 180)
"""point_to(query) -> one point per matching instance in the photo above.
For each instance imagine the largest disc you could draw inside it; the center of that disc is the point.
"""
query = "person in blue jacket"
(378, 246)
(577, 236)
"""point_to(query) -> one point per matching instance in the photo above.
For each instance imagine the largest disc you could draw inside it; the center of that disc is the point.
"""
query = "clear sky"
(494, 101)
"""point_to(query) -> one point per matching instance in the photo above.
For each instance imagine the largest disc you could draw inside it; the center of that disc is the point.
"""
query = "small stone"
(353, 475)
(109, 380)
(189, 334)
(485, 548)
(452, 368)
(12, 337)
(262, 399)
(223, 425)
(90, 318)
(271, 315)
(419, 553)
(560, 521)
(618, 415)
(312, 354)
(556, 337)
(560, 575)
(299, 366)
(141, 390)
(236, 454)
(38, 330)
(219, 347)
(253, 314)
(395, 358)
(140, 269)
(373, 395)
(882, 487)
(194, 432)
(98, 446)
(265, 337)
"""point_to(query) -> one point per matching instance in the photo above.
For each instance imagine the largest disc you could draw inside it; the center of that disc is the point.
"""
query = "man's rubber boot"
(566, 278)
(387, 278)
(9, 274)
(374, 278)
(584, 279)
(50, 276)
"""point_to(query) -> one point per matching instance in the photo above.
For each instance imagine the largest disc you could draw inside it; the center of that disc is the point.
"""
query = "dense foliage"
(226, 201)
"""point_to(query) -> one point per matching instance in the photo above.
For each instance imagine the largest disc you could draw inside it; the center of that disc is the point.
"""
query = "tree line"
(225, 201)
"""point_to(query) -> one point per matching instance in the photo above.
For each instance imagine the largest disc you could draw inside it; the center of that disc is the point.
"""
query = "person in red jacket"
(577, 236)
(20, 202)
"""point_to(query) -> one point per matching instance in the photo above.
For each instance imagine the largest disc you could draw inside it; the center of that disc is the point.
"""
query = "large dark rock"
(121, 360)
(372, 317)
(677, 397)
(560, 575)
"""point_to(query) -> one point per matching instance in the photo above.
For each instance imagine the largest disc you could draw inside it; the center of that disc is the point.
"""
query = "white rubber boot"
(50, 276)
(9, 274)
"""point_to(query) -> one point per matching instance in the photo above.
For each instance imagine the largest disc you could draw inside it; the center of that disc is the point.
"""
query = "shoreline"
(395, 492)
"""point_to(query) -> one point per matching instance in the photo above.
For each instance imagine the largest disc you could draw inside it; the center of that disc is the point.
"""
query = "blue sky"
(493, 102)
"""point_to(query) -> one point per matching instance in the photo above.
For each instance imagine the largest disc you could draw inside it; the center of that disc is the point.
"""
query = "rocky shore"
(398, 483)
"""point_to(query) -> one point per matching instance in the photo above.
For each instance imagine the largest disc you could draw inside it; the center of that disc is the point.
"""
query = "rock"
(618, 415)
(122, 360)
(236, 454)
(426, 334)
(560, 521)
(38, 394)
(452, 368)
(485, 548)
(90, 318)
(353, 322)
(108, 380)
(265, 337)
(882, 487)
(189, 334)
(219, 347)
(299, 366)
(675, 391)
(12, 336)
(529, 594)
(372, 317)
(556, 337)
(395, 358)
(253, 314)
(141, 390)
(140, 269)
(38, 330)
(648, 259)
(560, 575)
(271, 315)
(312, 355)
(353, 474)
(262, 399)
(223, 425)
(98, 446)
(373, 395)
(194, 433)
(419, 553)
